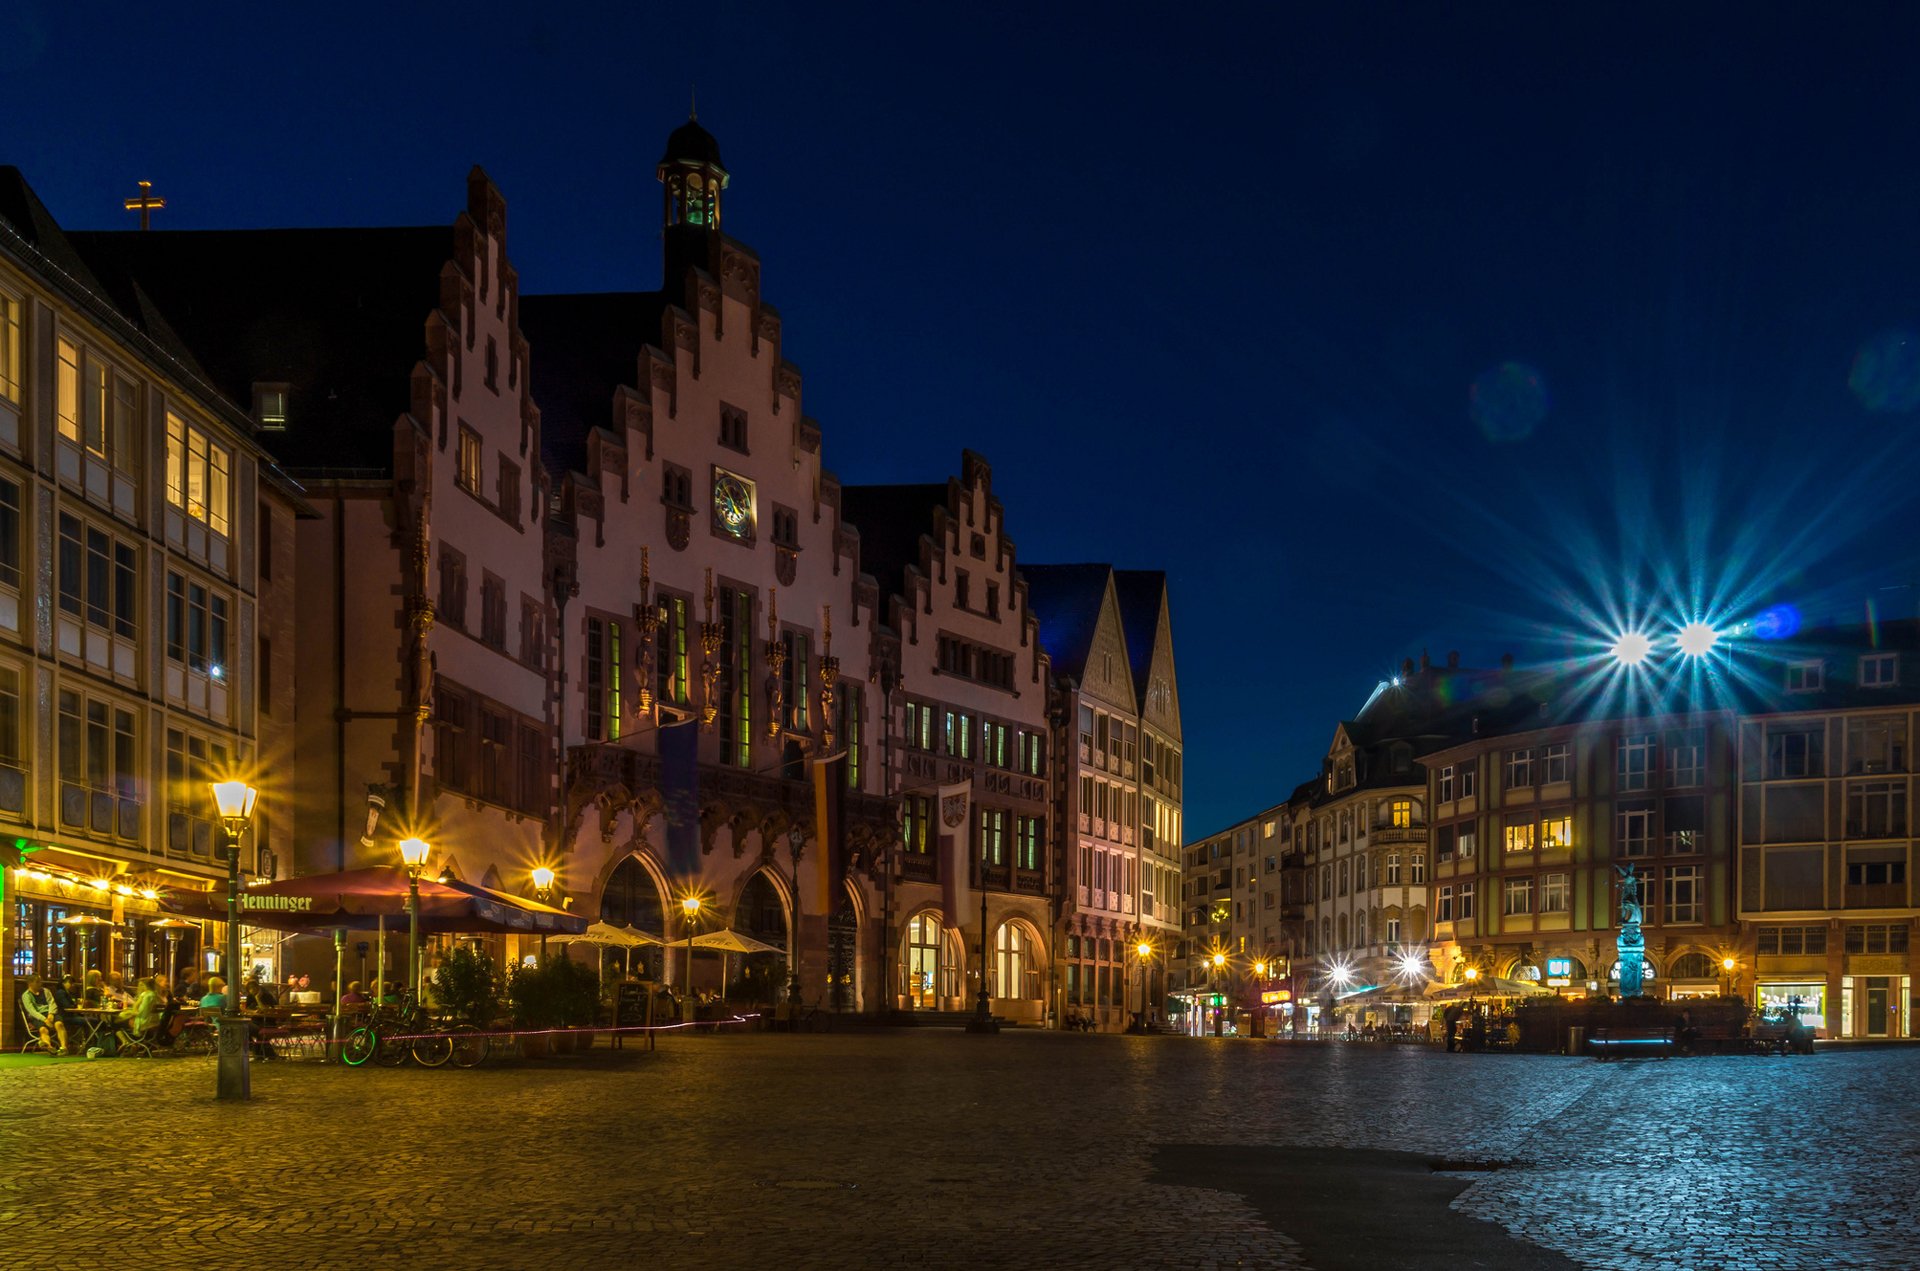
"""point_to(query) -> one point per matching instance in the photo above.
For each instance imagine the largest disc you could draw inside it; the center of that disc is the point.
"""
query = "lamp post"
(1216, 962)
(795, 838)
(1726, 966)
(234, 800)
(691, 908)
(542, 888)
(413, 853)
(1142, 951)
(1260, 1003)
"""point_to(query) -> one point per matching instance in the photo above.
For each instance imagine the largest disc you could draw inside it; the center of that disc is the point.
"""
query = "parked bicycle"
(391, 1034)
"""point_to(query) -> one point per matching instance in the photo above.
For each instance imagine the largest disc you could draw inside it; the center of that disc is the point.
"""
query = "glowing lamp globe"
(1144, 950)
(414, 851)
(1697, 639)
(1726, 964)
(235, 800)
(1219, 959)
(691, 905)
(1631, 649)
(1473, 973)
(542, 879)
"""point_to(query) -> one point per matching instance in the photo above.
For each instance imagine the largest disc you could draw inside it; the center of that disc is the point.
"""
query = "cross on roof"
(146, 204)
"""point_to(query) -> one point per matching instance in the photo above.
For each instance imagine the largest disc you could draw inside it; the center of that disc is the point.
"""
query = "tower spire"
(693, 104)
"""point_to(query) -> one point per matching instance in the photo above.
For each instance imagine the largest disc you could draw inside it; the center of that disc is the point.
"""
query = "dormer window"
(1879, 670)
(1805, 677)
(270, 406)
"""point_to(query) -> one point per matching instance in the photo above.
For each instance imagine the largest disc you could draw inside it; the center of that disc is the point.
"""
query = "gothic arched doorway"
(762, 914)
(926, 944)
(631, 899)
(843, 955)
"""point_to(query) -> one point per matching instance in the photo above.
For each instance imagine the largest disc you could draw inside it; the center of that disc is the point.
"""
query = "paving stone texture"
(930, 1149)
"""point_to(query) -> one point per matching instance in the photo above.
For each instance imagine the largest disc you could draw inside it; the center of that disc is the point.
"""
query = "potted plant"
(531, 1006)
(576, 997)
(467, 986)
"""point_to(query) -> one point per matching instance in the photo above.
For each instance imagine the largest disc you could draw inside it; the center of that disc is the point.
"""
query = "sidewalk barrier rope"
(553, 1032)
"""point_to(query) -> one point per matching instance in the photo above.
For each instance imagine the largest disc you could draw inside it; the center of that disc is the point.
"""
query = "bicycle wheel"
(469, 1047)
(361, 1045)
(431, 1052)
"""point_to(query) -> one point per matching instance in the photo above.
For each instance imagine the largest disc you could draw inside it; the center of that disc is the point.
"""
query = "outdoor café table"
(98, 1021)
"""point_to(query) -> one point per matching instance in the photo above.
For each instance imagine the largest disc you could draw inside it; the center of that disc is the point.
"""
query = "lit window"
(467, 457)
(1557, 831)
(1520, 838)
(9, 347)
(199, 477)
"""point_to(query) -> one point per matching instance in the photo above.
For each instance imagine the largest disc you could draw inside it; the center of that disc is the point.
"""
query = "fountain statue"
(1631, 944)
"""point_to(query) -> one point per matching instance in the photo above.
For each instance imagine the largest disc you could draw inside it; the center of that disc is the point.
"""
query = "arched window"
(1343, 932)
(924, 972)
(1010, 961)
(761, 915)
(1402, 812)
(632, 900)
(1693, 966)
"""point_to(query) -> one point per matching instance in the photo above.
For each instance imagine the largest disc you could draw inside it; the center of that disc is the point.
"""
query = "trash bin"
(1576, 1040)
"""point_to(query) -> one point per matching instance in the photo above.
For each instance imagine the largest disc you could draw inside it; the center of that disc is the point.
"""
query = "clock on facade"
(732, 504)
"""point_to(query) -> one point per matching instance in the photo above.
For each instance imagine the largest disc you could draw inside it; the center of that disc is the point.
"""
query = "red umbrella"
(361, 898)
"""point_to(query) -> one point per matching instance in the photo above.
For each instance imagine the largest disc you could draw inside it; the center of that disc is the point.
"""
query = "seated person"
(95, 993)
(66, 995)
(354, 996)
(215, 998)
(44, 1016)
(138, 1020)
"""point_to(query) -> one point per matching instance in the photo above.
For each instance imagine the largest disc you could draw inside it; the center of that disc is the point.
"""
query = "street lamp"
(691, 908)
(413, 852)
(1143, 951)
(1727, 965)
(542, 888)
(1217, 961)
(234, 800)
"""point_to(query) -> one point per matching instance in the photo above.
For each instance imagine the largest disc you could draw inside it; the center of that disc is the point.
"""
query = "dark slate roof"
(582, 349)
(28, 217)
(1065, 600)
(891, 520)
(691, 142)
(1141, 593)
(337, 314)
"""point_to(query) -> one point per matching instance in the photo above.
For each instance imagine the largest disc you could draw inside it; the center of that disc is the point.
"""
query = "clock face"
(732, 503)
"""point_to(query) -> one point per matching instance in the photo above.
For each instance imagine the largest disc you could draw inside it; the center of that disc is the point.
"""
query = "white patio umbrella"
(730, 942)
(606, 936)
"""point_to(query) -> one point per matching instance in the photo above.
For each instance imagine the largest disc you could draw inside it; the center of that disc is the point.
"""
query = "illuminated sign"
(1271, 996)
(288, 903)
(1561, 968)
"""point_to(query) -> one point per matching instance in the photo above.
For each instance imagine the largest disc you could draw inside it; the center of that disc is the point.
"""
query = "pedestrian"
(1450, 1025)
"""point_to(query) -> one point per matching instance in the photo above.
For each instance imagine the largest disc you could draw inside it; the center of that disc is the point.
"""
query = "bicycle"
(379, 1038)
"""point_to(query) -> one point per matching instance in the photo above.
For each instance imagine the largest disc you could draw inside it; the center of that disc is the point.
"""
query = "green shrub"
(467, 986)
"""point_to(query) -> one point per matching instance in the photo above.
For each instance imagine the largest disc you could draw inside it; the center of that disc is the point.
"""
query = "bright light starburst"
(1697, 639)
(1631, 648)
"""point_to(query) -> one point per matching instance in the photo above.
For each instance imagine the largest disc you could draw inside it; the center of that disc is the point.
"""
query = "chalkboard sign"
(630, 1003)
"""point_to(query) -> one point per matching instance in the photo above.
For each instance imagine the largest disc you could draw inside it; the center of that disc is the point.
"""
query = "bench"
(1612, 1043)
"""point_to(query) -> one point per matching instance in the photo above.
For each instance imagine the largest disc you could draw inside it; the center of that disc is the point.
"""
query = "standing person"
(43, 1014)
(1450, 1024)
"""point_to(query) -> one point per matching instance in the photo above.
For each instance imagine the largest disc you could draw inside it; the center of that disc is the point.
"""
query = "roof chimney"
(1425, 662)
(1453, 659)
(1406, 669)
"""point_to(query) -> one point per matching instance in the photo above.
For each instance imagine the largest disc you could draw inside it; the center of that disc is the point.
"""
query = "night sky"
(1378, 329)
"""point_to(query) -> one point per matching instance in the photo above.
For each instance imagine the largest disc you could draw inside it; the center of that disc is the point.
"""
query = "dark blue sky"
(1210, 290)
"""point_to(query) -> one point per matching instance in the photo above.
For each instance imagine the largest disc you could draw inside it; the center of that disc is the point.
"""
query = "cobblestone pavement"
(935, 1149)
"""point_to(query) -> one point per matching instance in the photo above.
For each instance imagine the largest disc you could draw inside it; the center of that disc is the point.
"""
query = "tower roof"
(690, 143)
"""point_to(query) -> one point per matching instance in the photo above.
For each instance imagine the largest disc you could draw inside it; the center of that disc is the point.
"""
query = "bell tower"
(691, 178)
